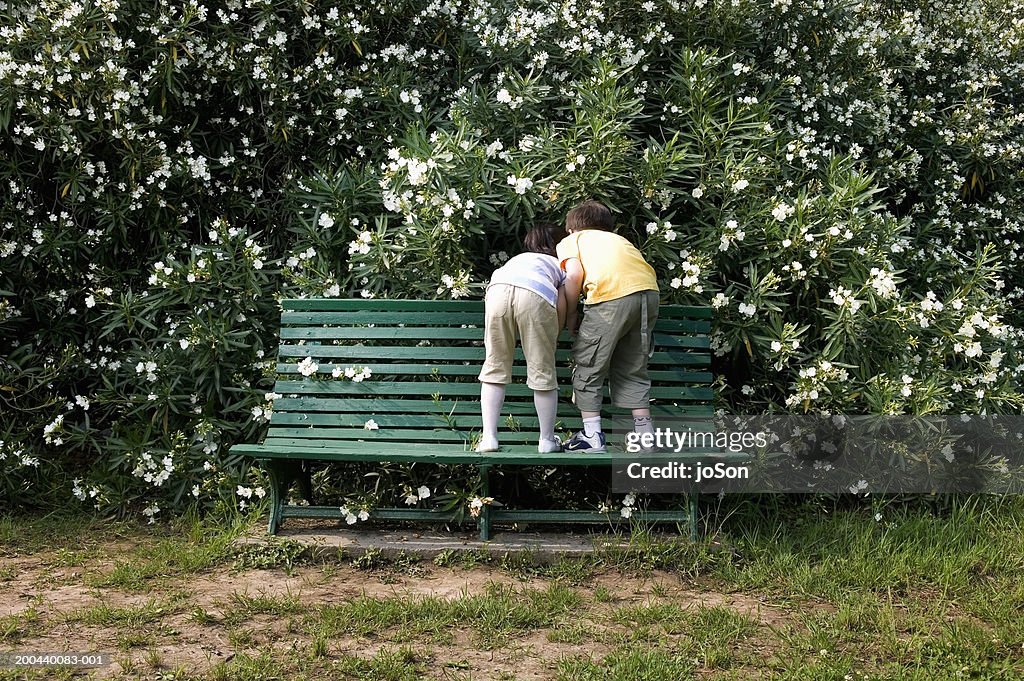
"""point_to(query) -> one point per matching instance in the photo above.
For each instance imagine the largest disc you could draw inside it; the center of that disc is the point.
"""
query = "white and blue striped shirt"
(533, 271)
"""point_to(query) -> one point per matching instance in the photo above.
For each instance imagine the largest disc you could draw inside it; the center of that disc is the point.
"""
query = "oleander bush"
(840, 180)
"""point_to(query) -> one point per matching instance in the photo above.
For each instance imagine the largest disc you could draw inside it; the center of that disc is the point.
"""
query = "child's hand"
(572, 323)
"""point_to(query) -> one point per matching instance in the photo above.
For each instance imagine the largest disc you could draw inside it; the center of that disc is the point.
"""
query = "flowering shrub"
(840, 181)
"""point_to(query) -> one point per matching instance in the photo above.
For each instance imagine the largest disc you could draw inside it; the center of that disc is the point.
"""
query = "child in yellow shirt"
(620, 309)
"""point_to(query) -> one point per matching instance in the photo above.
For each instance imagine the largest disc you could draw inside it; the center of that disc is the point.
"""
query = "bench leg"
(276, 495)
(306, 482)
(282, 474)
(484, 521)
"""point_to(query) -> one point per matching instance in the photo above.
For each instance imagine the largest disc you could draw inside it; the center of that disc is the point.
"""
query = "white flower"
(90, 301)
(363, 515)
(151, 511)
(82, 402)
(883, 283)
(776, 346)
(371, 425)
(423, 492)
(183, 343)
(411, 499)
(748, 309)
(326, 221)
(697, 192)
(308, 367)
(740, 185)
(720, 300)
(626, 511)
(878, 517)
(504, 96)
(521, 184)
(782, 211)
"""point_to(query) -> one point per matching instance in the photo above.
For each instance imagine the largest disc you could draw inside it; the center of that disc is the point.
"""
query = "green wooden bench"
(424, 357)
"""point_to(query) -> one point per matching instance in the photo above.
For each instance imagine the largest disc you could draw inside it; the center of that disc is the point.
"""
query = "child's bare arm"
(573, 284)
(562, 307)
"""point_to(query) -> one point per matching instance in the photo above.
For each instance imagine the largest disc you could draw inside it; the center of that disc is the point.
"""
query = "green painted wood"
(440, 453)
(568, 516)
(443, 334)
(684, 312)
(369, 353)
(419, 452)
(406, 305)
(324, 420)
(446, 319)
(296, 438)
(355, 318)
(381, 304)
(512, 452)
(518, 371)
(691, 326)
(313, 405)
(393, 388)
(407, 333)
(527, 433)
(523, 413)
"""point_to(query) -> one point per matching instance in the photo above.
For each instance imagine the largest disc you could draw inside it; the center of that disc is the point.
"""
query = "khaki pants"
(510, 312)
(615, 342)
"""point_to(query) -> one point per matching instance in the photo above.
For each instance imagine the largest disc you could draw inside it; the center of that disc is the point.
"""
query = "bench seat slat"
(428, 434)
(300, 436)
(423, 452)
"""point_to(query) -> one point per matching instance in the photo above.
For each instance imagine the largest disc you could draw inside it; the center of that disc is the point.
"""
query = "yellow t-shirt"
(612, 266)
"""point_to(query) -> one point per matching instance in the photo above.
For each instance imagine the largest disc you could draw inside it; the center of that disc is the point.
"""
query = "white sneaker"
(546, 446)
(487, 446)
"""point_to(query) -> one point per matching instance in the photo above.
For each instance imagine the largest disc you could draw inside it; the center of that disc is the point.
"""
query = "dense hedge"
(841, 180)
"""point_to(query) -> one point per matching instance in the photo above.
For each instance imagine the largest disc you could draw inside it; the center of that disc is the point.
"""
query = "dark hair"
(543, 238)
(589, 215)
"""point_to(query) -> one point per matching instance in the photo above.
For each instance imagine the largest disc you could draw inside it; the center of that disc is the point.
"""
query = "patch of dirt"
(662, 585)
(180, 639)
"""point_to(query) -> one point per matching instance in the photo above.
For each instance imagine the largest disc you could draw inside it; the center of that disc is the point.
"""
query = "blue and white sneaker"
(581, 443)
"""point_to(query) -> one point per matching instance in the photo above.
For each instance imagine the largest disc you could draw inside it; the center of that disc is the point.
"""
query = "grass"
(822, 591)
